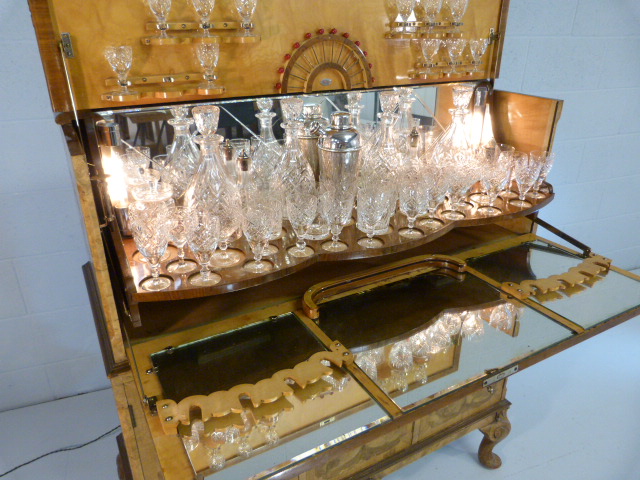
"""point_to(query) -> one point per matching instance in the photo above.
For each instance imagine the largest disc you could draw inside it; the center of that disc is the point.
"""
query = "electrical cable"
(65, 449)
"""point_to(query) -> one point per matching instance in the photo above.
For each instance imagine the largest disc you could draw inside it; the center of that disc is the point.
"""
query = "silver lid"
(341, 136)
(314, 122)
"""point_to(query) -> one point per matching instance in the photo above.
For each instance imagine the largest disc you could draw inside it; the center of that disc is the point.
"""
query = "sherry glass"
(245, 9)
(203, 237)
(183, 222)
(431, 10)
(455, 47)
(208, 55)
(457, 9)
(545, 160)
(434, 192)
(412, 184)
(161, 9)
(478, 47)
(405, 8)
(267, 427)
(258, 218)
(496, 174)
(525, 173)
(204, 9)
(150, 223)
(336, 205)
(301, 210)
(430, 48)
(374, 199)
(213, 445)
(120, 59)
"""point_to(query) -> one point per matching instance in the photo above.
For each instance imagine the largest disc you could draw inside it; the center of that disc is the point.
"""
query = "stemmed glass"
(525, 173)
(430, 48)
(457, 9)
(431, 10)
(478, 47)
(203, 240)
(405, 7)
(412, 184)
(336, 207)
(495, 173)
(257, 221)
(150, 223)
(374, 199)
(246, 8)
(434, 194)
(213, 444)
(208, 55)
(204, 9)
(161, 9)
(545, 160)
(301, 210)
(120, 59)
(183, 222)
(455, 47)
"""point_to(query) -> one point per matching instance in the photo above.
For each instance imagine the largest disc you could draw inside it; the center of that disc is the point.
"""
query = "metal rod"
(430, 111)
(586, 250)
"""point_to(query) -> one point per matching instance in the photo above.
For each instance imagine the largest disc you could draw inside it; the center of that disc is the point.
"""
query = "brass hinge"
(496, 377)
(133, 417)
(151, 402)
(493, 36)
(67, 45)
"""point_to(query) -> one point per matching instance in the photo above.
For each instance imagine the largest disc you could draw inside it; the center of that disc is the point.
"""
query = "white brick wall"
(586, 53)
(582, 51)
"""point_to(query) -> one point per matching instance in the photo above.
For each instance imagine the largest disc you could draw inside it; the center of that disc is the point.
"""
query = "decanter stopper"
(388, 101)
(291, 109)
(264, 105)
(462, 96)
(179, 112)
(353, 98)
(206, 118)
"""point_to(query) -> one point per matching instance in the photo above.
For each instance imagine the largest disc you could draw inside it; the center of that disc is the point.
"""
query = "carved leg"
(493, 433)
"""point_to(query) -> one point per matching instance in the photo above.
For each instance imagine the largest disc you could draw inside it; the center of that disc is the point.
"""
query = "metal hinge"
(67, 45)
(151, 402)
(499, 376)
(133, 417)
(493, 36)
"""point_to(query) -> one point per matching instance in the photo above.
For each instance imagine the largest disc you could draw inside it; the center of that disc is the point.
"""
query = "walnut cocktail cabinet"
(342, 364)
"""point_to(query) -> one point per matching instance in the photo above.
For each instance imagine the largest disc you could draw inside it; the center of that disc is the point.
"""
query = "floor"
(575, 416)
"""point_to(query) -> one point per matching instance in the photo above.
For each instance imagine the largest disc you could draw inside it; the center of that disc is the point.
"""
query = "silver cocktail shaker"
(314, 124)
(340, 146)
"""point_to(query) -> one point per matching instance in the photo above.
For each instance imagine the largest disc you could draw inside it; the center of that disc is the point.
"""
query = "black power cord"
(65, 449)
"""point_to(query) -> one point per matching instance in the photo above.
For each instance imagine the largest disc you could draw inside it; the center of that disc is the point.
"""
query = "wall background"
(582, 51)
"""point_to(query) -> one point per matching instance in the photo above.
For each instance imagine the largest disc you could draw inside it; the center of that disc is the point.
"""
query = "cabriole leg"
(493, 433)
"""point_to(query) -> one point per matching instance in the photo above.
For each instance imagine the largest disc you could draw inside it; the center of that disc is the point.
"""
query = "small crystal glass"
(257, 221)
(405, 9)
(208, 55)
(301, 210)
(478, 47)
(203, 238)
(455, 47)
(431, 10)
(120, 59)
(373, 200)
(183, 222)
(161, 9)
(457, 9)
(204, 9)
(246, 9)
(150, 223)
(525, 173)
(545, 160)
(430, 48)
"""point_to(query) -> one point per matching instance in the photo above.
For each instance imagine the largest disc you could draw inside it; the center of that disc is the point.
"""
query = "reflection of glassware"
(267, 426)
(412, 185)
(203, 240)
(455, 47)
(545, 160)
(478, 47)
(472, 325)
(120, 59)
(161, 9)
(204, 9)
(525, 173)
(216, 459)
(208, 56)
(183, 222)
(430, 49)
(246, 8)
(405, 122)
(150, 223)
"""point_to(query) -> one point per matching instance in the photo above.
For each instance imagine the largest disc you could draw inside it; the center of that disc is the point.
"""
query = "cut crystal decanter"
(183, 156)
(211, 188)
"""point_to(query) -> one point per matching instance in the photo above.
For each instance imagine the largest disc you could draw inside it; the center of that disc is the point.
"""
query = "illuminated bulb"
(114, 170)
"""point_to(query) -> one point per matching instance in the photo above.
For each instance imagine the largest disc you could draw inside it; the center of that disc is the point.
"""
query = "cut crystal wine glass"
(150, 223)
(301, 209)
(455, 47)
(208, 55)
(545, 160)
(495, 174)
(259, 213)
(246, 9)
(161, 9)
(120, 59)
(336, 205)
(431, 10)
(376, 196)
(204, 9)
(478, 47)
(412, 185)
(435, 190)
(430, 48)
(405, 9)
(457, 9)
(184, 219)
(203, 238)
(525, 173)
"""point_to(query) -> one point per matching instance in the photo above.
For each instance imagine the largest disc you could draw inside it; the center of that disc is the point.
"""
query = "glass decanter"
(405, 123)
(183, 156)
(211, 188)
(298, 180)
(355, 108)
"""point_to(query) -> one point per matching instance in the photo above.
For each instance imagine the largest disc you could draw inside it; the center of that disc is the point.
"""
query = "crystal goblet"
(525, 173)
(430, 48)
(457, 9)
(203, 239)
(301, 210)
(150, 223)
(161, 9)
(208, 55)
(120, 59)
(336, 207)
(246, 9)
(478, 47)
(183, 222)
(373, 204)
(204, 9)
(455, 47)
(257, 220)
(545, 160)
(431, 10)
